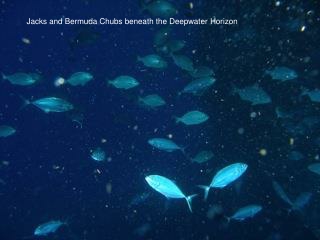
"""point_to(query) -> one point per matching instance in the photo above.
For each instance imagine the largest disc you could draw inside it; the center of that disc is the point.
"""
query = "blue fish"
(225, 176)
(6, 131)
(164, 144)
(253, 94)
(199, 86)
(22, 79)
(281, 193)
(79, 78)
(282, 74)
(160, 8)
(315, 168)
(183, 62)
(152, 101)
(153, 61)
(51, 104)
(48, 228)
(168, 188)
(192, 118)
(301, 201)
(98, 155)
(124, 82)
(314, 95)
(246, 212)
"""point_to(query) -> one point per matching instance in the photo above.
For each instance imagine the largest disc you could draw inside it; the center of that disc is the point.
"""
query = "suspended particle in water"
(26, 40)
(291, 141)
(59, 81)
(103, 140)
(170, 136)
(263, 152)
(253, 114)
(109, 188)
(240, 131)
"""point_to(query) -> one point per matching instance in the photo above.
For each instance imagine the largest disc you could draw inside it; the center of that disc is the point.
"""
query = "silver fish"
(22, 79)
(152, 101)
(168, 188)
(254, 94)
(164, 144)
(48, 228)
(6, 131)
(282, 74)
(203, 157)
(153, 61)
(183, 62)
(51, 104)
(124, 82)
(199, 86)
(246, 212)
(192, 118)
(79, 78)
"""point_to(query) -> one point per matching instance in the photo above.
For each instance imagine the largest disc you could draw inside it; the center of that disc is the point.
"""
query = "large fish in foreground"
(49, 227)
(51, 104)
(168, 188)
(225, 176)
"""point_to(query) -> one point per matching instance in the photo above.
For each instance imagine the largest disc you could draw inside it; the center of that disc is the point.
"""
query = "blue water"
(46, 171)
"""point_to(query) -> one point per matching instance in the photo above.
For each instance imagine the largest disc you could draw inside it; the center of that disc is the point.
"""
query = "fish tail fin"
(139, 59)
(189, 201)
(303, 93)
(26, 102)
(183, 150)
(227, 218)
(234, 89)
(177, 119)
(206, 191)
(4, 77)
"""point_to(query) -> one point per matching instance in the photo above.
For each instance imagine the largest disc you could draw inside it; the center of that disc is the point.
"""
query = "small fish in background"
(313, 95)
(124, 82)
(281, 193)
(6, 131)
(168, 188)
(159, 8)
(315, 168)
(225, 176)
(161, 36)
(84, 36)
(152, 101)
(199, 86)
(202, 72)
(164, 144)
(98, 154)
(50, 104)
(246, 212)
(79, 79)
(175, 45)
(48, 228)
(183, 62)
(253, 94)
(142, 230)
(282, 74)
(295, 155)
(153, 61)
(22, 79)
(192, 118)
(202, 157)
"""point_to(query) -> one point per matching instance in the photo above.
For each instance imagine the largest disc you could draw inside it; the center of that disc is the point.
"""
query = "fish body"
(193, 118)
(225, 176)
(167, 188)
(281, 193)
(301, 201)
(79, 78)
(246, 212)
(6, 131)
(161, 36)
(315, 168)
(152, 101)
(51, 104)
(295, 155)
(21, 79)
(48, 228)
(153, 61)
(314, 95)
(202, 72)
(203, 157)
(282, 74)
(183, 62)
(253, 94)
(175, 45)
(164, 144)
(124, 82)
(98, 155)
(161, 8)
(198, 86)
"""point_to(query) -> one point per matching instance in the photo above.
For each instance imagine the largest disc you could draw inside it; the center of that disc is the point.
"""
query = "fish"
(301, 201)
(282, 74)
(139, 199)
(202, 72)
(49, 227)
(281, 193)
(175, 45)
(79, 78)
(203, 157)
(183, 62)
(153, 61)
(313, 95)
(225, 176)
(192, 118)
(253, 94)
(248, 211)
(168, 188)
(124, 82)
(295, 155)
(6, 131)
(199, 86)
(160, 8)
(162, 36)
(51, 104)
(98, 155)
(22, 79)
(315, 168)
(152, 101)
(164, 144)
